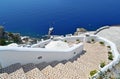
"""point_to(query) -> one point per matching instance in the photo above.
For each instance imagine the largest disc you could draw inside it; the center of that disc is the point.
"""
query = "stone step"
(28, 67)
(18, 74)
(60, 65)
(11, 68)
(82, 67)
(35, 74)
(52, 73)
(59, 68)
(77, 70)
(4, 76)
(67, 73)
(48, 72)
(59, 71)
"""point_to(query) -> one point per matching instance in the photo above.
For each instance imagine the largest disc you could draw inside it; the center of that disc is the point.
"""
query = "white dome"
(13, 45)
(57, 45)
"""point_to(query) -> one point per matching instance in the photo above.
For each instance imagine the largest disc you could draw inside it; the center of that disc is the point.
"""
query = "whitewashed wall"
(21, 55)
(102, 28)
(73, 38)
(41, 44)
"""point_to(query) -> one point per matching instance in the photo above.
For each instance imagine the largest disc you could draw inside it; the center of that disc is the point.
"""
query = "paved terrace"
(112, 34)
(76, 68)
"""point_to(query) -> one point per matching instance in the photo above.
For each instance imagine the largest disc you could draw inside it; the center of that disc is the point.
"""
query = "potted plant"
(102, 43)
(93, 72)
(102, 64)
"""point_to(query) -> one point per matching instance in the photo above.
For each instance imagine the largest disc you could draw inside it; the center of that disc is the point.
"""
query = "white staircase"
(77, 69)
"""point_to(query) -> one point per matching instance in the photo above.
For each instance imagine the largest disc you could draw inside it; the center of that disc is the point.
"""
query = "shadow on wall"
(30, 66)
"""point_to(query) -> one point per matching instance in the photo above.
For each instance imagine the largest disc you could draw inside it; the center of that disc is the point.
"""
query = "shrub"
(9, 42)
(100, 77)
(102, 64)
(10, 34)
(16, 39)
(92, 40)
(78, 40)
(65, 40)
(109, 52)
(93, 72)
(108, 47)
(110, 57)
(108, 70)
(101, 43)
(2, 42)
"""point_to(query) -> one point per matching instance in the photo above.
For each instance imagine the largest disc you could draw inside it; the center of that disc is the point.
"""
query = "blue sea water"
(34, 17)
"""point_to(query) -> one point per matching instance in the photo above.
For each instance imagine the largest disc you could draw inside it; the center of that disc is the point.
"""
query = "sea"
(35, 17)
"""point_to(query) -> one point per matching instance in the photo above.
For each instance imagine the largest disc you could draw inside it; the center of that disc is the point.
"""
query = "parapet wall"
(74, 38)
(100, 29)
(23, 55)
(41, 44)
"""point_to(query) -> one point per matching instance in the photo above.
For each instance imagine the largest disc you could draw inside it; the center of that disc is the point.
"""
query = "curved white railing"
(102, 28)
(115, 53)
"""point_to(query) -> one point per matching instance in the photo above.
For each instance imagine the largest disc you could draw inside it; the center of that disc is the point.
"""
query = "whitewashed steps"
(19, 74)
(4, 76)
(35, 74)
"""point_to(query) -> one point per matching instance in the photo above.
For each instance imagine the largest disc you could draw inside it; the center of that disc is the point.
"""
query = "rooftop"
(60, 45)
